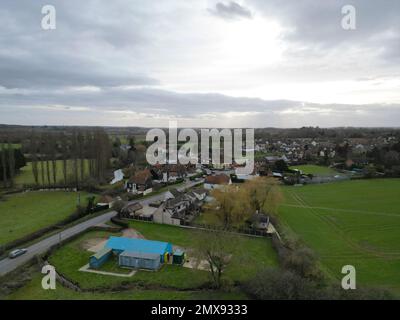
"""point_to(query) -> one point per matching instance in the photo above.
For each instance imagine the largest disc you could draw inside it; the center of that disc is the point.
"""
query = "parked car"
(16, 253)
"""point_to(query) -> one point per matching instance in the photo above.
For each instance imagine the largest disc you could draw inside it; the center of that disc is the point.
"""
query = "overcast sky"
(205, 63)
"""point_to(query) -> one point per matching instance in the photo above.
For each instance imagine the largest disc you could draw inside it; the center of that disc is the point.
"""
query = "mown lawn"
(33, 291)
(315, 170)
(25, 176)
(251, 254)
(25, 213)
(351, 222)
(13, 145)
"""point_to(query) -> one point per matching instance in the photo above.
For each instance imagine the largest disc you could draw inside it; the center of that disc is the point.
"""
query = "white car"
(16, 253)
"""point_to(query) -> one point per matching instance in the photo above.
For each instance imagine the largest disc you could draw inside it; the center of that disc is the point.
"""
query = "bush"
(303, 262)
(118, 205)
(127, 196)
(275, 284)
(120, 222)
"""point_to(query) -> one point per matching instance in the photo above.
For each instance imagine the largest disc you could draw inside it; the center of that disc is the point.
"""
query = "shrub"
(120, 222)
(275, 284)
(118, 205)
(303, 262)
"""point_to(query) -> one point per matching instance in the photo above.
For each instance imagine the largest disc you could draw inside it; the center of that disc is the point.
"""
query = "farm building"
(120, 244)
(96, 260)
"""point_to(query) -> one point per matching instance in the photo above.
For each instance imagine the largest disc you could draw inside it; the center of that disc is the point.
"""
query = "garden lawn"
(251, 255)
(24, 213)
(350, 223)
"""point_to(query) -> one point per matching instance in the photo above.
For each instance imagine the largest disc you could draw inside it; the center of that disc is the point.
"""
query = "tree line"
(11, 160)
(83, 155)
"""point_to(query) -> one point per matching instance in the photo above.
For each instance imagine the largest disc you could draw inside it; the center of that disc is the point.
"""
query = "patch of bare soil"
(94, 244)
(132, 233)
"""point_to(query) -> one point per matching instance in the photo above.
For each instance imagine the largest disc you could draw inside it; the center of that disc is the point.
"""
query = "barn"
(140, 253)
(97, 260)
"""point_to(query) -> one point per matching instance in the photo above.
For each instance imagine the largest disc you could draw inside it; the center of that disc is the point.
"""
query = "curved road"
(7, 265)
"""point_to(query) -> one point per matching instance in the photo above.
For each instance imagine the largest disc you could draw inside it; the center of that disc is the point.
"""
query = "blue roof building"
(137, 260)
(133, 245)
(98, 259)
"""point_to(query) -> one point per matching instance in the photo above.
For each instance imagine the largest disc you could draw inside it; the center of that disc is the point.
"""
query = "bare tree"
(11, 163)
(34, 161)
(263, 194)
(4, 164)
(47, 157)
(53, 152)
(90, 153)
(64, 147)
(231, 206)
(216, 248)
(74, 151)
(41, 158)
(81, 145)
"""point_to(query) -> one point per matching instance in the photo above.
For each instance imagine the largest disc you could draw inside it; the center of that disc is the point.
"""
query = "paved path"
(7, 265)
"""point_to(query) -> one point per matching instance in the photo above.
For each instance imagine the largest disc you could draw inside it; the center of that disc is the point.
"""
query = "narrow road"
(7, 265)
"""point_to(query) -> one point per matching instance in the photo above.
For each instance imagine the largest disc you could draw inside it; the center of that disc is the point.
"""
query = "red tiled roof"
(141, 177)
(217, 179)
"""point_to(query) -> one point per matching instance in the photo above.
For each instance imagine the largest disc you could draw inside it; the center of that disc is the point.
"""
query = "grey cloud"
(318, 23)
(104, 44)
(231, 10)
(55, 71)
(91, 46)
(101, 106)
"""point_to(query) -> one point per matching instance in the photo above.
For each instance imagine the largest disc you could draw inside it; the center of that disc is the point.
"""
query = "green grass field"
(352, 222)
(33, 291)
(315, 170)
(13, 145)
(25, 213)
(170, 282)
(25, 176)
(251, 254)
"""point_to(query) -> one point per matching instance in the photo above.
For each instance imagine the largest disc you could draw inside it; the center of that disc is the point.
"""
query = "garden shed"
(178, 257)
(139, 260)
(97, 260)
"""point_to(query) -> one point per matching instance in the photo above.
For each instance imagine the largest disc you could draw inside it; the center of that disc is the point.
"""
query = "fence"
(241, 230)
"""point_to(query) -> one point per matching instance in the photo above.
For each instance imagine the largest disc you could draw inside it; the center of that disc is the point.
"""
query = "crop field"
(350, 223)
(25, 213)
(315, 170)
